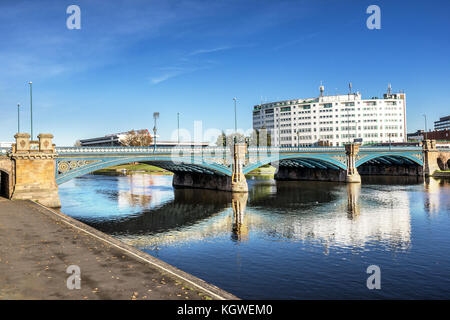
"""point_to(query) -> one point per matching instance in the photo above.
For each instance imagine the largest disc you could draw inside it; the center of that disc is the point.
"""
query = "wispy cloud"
(189, 64)
(167, 73)
(203, 51)
(297, 41)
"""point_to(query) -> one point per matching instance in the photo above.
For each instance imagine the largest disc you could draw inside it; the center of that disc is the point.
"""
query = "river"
(284, 240)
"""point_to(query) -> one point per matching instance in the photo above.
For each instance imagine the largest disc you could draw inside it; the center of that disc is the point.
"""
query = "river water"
(284, 240)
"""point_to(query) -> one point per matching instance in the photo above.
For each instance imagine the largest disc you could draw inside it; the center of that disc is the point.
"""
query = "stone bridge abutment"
(34, 170)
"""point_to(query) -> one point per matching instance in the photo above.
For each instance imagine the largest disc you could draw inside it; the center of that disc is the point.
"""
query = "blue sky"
(134, 57)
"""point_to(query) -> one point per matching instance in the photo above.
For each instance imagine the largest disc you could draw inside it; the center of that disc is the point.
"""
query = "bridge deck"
(38, 244)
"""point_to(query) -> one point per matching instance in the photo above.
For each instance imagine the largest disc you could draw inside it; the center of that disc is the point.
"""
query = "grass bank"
(266, 171)
(132, 168)
(442, 173)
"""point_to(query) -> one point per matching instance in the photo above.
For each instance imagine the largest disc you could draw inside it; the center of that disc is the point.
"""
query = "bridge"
(34, 169)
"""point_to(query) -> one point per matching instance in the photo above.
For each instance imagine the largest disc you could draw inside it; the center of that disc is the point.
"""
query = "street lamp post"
(279, 132)
(178, 126)
(348, 124)
(18, 118)
(425, 133)
(155, 117)
(235, 121)
(31, 107)
(389, 135)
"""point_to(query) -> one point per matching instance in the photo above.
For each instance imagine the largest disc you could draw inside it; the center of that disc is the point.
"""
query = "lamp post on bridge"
(31, 107)
(235, 121)
(348, 124)
(425, 133)
(18, 118)
(178, 126)
(155, 117)
(389, 135)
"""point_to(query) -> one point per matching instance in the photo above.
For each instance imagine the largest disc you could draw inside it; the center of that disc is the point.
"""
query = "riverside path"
(39, 244)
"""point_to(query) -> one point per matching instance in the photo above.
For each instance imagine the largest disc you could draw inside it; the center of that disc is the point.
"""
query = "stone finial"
(429, 145)
(351, 149)
(22, 142)
(45, 142)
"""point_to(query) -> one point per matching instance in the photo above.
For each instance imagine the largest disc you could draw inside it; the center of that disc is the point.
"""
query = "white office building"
(334, 120)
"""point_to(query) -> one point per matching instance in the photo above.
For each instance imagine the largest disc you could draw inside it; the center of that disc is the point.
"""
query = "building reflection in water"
(331, 215)
(137, 190)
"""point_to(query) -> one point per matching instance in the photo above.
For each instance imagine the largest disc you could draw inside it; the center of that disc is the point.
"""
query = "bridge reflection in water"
(326, 213)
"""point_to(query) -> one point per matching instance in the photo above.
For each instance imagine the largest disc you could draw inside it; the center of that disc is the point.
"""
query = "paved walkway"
(37, 245)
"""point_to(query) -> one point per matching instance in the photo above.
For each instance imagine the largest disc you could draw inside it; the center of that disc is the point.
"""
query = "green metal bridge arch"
(77, 161)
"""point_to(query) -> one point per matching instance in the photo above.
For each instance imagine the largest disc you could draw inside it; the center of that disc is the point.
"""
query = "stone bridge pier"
(236, 183)
(352, 175)
(34, 170)
(430, 157)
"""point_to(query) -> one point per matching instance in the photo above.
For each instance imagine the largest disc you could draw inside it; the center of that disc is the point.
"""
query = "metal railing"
(139, 150)
(215, 150)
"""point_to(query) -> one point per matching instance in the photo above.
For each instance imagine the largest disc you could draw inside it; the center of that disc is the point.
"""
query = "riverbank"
(39, 244)
(132, 168)
(263, 172)
(441, 174)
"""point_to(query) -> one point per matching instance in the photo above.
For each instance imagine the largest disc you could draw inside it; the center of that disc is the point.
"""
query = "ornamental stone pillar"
(238, 180)
(430, 156)
(352, 175)
(34, 163)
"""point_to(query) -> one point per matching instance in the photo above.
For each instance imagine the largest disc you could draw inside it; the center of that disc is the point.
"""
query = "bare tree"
(140, 138)
(221, 140)
(260, 138)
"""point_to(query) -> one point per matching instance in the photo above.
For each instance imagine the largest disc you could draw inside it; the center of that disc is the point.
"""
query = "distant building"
(415, 136)
(442, 124)
(116, 138)
(438, 134)
(6, 144)
(334, 120)
(106, 141)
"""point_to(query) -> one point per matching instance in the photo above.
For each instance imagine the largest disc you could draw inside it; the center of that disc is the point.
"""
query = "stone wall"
(35, 180)
(443, 160)
(34, 166)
